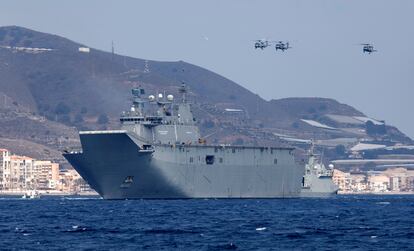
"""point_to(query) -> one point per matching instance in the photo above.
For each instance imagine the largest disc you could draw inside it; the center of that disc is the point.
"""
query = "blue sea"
(89, 223)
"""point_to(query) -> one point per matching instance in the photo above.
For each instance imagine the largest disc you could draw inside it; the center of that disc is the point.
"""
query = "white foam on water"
(260, 229)
(11, 198)
(383, 203)
(82, 198)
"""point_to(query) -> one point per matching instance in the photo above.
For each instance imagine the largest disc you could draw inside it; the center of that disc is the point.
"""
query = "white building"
(17, 172)
(84, 49)
(4, 154)
(394, 183)
(46, 174)
(378, 183)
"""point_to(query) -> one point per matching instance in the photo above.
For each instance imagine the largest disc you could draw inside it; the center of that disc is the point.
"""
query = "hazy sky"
(218, 35)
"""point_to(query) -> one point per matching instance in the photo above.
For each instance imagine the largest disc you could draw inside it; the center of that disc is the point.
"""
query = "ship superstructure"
(160, 154)
(317, 181)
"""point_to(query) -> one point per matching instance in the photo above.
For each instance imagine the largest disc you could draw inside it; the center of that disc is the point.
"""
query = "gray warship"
(317, 181)
(161, 155)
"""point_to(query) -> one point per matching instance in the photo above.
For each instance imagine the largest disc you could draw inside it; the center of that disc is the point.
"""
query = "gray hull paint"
(309, 194)
(319, 187)
(108, 158)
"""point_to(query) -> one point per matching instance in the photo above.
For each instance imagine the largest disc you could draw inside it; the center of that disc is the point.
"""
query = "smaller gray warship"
(317, 181)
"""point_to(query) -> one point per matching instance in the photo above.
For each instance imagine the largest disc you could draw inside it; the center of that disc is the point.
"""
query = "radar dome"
(160, 95)
(331, 166)
(170, 97)
(151, 97)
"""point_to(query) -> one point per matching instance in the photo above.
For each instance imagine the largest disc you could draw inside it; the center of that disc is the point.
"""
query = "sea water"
(90, 223)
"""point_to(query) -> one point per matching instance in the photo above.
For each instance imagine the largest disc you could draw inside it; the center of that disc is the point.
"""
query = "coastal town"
(396, 180)
(20, 174)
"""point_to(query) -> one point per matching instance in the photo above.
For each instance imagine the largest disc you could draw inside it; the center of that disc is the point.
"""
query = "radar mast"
(183, 90)
(138, 102)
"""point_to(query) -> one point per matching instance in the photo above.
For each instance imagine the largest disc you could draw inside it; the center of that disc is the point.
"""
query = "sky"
(326, 59)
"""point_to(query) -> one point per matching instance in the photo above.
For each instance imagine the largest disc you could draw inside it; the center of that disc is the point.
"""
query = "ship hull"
(319, 187)
(117, 166)
(305, 193)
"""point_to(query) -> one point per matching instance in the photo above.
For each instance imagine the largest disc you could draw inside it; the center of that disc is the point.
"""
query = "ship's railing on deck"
(102, 132)
(149, 120)
(261, 148)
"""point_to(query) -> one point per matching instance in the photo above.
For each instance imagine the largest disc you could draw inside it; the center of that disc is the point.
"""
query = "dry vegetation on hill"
(50, 94)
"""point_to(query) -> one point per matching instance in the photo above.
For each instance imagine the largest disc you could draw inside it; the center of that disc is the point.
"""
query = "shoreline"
(47, 193)
(375, 193)
(94, 194)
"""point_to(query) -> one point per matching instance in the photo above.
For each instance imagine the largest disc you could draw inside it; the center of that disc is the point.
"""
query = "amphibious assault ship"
(317, 181)
(160, 154)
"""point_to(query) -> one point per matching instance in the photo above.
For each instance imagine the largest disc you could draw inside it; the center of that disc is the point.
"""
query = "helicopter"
(282, 46)
(369, 48)
(262, 43)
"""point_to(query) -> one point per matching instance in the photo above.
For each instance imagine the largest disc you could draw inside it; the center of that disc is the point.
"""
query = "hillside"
(49, 89)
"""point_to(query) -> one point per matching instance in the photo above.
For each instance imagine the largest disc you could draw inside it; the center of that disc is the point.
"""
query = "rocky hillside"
(49, 90)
